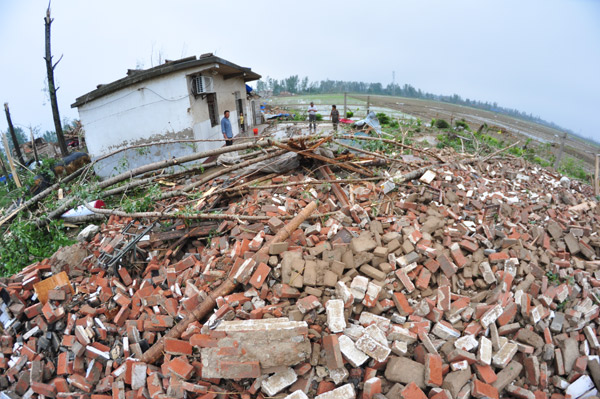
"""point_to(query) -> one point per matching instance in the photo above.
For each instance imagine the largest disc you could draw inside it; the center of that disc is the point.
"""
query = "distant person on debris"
(242, 122)
(226, 129)
(312, 116)
(335, 117)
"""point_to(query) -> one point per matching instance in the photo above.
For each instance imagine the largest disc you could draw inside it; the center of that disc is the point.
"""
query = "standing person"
(226, 129)
(312, 116)
(335, 117)
(242, 122)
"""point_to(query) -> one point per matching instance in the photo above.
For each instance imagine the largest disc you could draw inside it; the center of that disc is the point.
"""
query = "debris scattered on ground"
(476, 277)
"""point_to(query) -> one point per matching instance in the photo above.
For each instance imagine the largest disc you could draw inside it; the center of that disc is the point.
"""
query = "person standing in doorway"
(226, 129)
(242, 122)
(312, 116)
(335, 117)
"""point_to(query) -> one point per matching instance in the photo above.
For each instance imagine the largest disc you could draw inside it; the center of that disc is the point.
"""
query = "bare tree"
(52, 88)
(13, 135)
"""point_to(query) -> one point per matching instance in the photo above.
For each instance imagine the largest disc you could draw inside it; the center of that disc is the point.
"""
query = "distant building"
(178, 100)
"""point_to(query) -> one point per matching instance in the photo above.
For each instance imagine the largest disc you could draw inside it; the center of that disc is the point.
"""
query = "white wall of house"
(156, 110)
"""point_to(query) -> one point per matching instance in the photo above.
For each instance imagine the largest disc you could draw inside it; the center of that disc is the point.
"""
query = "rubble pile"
(476, 280)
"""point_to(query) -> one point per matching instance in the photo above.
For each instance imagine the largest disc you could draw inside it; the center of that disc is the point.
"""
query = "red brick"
(181, 368)
(485, 373)
(402, 304)
(62, 365)
(177, 347)
(44, 389)
(371, 388)
(412, 391)
(508, 315)
(333, 355)
(433, 370)
(482, 390)
(203, 341)
(260, 276)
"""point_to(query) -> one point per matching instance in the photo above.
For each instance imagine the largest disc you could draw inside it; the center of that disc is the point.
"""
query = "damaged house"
(178, 100)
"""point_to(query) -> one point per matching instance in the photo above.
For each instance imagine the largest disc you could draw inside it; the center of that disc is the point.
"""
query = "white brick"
(504, 355)
(358, 287)
(335, 315)
(491, 315)
(367, 319)
(444, 332)
(485, 351)
(344, 293)
(297, 395)
(375, 332)
(398, 333)
(399, 348)
(579, 387)
(138, 376)
(468, 343)
(279, 381)
(338, 375)
(343, 392)
(355, 356)
(373, 348)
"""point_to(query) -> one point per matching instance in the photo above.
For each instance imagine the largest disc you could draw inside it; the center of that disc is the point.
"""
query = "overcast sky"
(539, 56)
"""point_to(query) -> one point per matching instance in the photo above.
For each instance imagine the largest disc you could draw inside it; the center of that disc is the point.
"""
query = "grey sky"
(539, 56)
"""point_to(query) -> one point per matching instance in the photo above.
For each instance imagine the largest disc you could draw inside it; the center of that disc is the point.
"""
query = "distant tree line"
(295, 85)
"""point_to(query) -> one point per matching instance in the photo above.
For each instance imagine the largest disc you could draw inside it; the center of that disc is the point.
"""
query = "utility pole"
(560, 151)
(52, 88)
(345, 105)
(13, 136)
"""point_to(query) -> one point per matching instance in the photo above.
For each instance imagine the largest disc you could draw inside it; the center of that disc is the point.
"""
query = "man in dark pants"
(312, 116)
(335, 117)
(226, 129)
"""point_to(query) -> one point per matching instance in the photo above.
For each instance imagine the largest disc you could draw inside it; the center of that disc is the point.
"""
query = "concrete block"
(405, 371)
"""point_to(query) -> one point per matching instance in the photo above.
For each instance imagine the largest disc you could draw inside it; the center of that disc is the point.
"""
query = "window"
(213, 112)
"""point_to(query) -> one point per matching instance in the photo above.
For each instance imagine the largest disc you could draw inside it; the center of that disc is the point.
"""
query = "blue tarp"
(248, 89)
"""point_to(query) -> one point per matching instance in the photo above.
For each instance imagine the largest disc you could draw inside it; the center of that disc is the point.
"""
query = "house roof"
(226, 68)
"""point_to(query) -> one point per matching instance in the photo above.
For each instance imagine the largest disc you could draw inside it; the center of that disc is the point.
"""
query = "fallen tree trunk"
(68, 203)
(154, 353)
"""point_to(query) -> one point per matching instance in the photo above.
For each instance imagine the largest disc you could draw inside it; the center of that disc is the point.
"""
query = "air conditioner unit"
(203, 84)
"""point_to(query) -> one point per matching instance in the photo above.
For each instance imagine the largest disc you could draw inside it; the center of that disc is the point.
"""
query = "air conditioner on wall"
(203, 84)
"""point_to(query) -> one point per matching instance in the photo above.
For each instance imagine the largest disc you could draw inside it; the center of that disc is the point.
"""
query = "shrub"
(441, 124)
(27, 244)
(319, 117)
(349, 114)
(462, 124)
(394, 124)
(383, 118)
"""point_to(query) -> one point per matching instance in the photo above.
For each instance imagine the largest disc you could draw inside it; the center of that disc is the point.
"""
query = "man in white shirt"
(312, 116)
